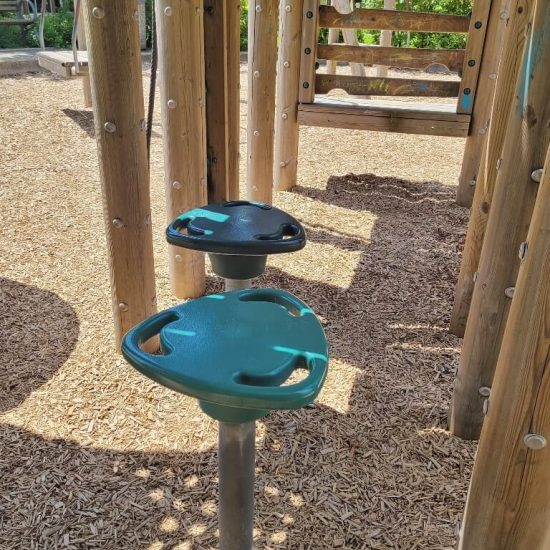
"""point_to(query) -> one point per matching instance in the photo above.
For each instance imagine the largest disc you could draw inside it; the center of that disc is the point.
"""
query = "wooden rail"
(393, 20)
(358, 85)
(410, 58)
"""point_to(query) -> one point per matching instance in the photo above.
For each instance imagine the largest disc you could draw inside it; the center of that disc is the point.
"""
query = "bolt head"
(258, 8)
(284, 116)
(118, 223)
(484, 391)
(288, 8)
(110, 127)
(176, 185)
(286, 64)
(171, 103)
(509, 292)
(98, 12)
(536, 175)
(178, 257)
(256, 74)
(535, 442)
(256, 133)
(122, 306)
(168, 11)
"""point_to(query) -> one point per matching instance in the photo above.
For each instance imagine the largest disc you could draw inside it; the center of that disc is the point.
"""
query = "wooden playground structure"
(502, 392)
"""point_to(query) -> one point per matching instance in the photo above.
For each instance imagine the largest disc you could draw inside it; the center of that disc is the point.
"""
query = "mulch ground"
(96, 456)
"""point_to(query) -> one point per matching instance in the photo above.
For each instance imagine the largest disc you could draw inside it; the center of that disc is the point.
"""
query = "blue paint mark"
(422, 86)
(216, 296)
(305, 311)
(181, 332)
(201, 213)
(467, 102)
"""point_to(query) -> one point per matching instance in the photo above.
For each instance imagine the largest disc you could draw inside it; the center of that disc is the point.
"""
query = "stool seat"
(234, 351)
(237, 227)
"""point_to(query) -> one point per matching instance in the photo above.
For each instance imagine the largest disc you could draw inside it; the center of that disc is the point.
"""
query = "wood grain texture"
(385, 40)
(508, 502)
(349, 35)
(410, 58)
(81, 36)
(182, 100)
(514, 40)
(489, 62)
(262, 69)
(333, 38)
(287, 129)
(524, 148)
(358, 85)
(117, 94)
(394, 21)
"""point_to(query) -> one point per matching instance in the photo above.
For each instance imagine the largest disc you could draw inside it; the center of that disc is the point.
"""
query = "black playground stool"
(238, 236)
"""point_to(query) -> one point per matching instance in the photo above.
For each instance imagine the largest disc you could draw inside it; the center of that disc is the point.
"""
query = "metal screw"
(256, 133)
(110, 127)
(178, 257)
(122, 306)
(536, 175)
(309, 14)
(258, 8)
(118, 223)
(467, 91)
(168, 11)
(484, 391)
(509, 292)
(284, 116)
(171, 103)
(307, 51)
(478, 24)
(98, 12)
(471, 63)
(176, 185)
(286, 64)
(306, 85)
(535, 442)
(523, 250)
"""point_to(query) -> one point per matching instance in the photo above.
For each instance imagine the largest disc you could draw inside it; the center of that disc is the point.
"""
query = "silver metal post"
(237, 284)
(236, 461)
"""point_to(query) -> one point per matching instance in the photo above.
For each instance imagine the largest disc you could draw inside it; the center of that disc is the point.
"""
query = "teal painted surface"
(234, 351)
(467, 102)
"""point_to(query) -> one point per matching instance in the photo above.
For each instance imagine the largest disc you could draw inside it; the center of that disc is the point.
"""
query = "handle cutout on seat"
(285, 232)
(288, 375)
(261, 205)
(259, 296)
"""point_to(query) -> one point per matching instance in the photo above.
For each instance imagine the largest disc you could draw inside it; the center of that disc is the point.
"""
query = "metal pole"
(236, 460)
(237, 284)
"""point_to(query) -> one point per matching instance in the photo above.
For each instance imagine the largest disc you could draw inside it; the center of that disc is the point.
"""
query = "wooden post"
(181, 71)
(308, 55)
(333, 38)
(81, 39)
(469, 83)
(233, 34)
(385, 40)
(526, 143)
(288, 87)
(262, 61)
(508, 502)
(509, 29)
(115, 72)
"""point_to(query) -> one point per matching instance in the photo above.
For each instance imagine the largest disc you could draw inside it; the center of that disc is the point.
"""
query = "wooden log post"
(81, 39)
(262, 63)
(115, 73)
(349, 35)
(333, 38)
(385, 40)
(181, 71)
(513, 26)
(526, 143)
(508, 501)
(287, 129)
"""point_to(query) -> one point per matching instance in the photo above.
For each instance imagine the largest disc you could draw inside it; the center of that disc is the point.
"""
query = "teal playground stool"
(233, 352)
(238, 236)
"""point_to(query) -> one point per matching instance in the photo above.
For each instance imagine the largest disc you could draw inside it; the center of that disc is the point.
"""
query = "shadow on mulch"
(390, 323)
(38, 331)
(85, 119)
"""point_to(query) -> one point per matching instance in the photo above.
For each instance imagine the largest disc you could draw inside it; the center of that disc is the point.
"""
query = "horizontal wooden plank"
(16, 21)
(392, 20)
(376, 119)
(410, 58)
(54, 67)
(366, 85)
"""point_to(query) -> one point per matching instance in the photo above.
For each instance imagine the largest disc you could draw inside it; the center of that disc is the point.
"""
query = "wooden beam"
(382, 116)
(525, 146)
(514, 32)
(508, 502)
(310, 33)
(489, 60)
(410, 58)
(182, 93)
(117, 92)
(217, 127)
(358, 85)
(287, 130)
(262, 69)
(81, 37)
(395, 21)
(385, 40)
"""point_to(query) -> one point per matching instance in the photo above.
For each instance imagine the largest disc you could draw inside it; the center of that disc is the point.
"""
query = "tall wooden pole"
(333, 38)
(527, 138)
(181, 71)
(114, 61)
(81, 38)
(287, 130)
(512, 22)
(385, 40)
(483, 101)
(262, 61)
(508, 505)
(350, 35)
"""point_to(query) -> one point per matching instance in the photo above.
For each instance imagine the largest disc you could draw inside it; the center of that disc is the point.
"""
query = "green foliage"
(11, 36)
(244, 25)
(58, 29)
